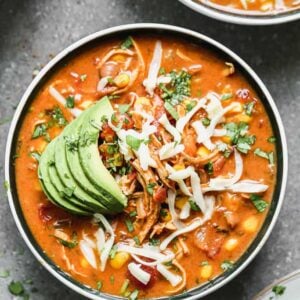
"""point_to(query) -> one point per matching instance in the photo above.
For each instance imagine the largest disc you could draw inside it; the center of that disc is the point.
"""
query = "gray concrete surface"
(31, 31)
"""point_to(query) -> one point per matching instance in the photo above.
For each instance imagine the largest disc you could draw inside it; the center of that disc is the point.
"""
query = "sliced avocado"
(90, 159)
(49, 189)
(75, 166)
(66, 176)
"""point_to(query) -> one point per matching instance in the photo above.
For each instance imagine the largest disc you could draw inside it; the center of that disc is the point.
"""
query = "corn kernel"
(86, 104)
(206, 271)
(238, 108)
(178, 167)
(119, 58)
(181, 202)
(250, 224)
(41, 147)
(142, 101)
(226, 139)
(119, 260)
(84, 263)
(242, 118)
(231, 244)
(203, 151)
(122, 80)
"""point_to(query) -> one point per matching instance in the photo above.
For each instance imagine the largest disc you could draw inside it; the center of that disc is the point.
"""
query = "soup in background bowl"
(255, 12)
(146, 161)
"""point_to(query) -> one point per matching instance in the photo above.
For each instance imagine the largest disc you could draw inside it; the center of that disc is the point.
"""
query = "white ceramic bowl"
(132, 29)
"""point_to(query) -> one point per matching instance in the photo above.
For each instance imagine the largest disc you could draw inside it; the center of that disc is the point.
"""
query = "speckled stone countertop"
(32, 31)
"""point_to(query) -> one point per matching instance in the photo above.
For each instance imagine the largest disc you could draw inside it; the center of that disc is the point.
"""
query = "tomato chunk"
(160, 194)
(154, 277)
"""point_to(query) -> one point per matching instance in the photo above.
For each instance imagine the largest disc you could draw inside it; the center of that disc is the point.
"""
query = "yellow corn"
(84, 263)
(118, 160)
(242, 118)
(122, 80)
(119, 260)
(238, 108)
(206, 271)
(250, 225)
(226, 139)
(119, 58)
(178, 167)
(181, 201)
(231, 244)
(41, 146)
(203, 151)
(142, 101)
(166, 216)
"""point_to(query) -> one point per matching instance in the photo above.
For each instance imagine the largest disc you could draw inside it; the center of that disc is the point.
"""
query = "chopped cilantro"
(154, 242)
(190, 105)
(69, 244)
(4, 273)
(204, 263)
(36, 155)
(259, 203)
(249, 108)
(133, 213)
(209, 168)
(194, 205)
(99, 285)
(112, 279)
(178, 88)
(136, 240)
(278, 290)
(124, 286)
(223, 147)
(171, 110)
(133, 142)
(226, 265)
(162, 71)
(226, 96)
(150, 188)
(239, 137)
(123, 108)
(113, 252)
(163, 212)
(206, 121)
(129, 225)
(127, 43)
(267, 155)
(39, 130)
(272, 139)
(70, 102)
(57, 117)
(71, 143)
(110, 80)
(16, 288)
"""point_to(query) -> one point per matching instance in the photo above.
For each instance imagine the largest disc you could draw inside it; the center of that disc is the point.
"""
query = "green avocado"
(47, 160)
(66, 176)
(90, 159)
(74, 161)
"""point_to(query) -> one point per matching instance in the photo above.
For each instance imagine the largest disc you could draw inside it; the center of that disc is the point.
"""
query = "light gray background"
(31, 31)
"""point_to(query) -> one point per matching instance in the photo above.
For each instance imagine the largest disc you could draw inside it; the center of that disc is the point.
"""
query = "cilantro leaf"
(129, 225)
(267, 155)
(127, 43)
(249, 108)
(16, 288)
(70, 102)
(150, 188)
(226, 265)
(278, 290)
(259, 203)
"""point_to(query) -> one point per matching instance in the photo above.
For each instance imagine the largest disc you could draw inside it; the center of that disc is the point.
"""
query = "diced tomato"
(50, 213)
(218, 165)
(131, 175)
(160, 194)
(107, 133)
(154, 277)
(159, 108)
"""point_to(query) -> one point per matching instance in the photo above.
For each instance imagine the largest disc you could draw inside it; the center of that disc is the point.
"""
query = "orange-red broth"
(41, 215)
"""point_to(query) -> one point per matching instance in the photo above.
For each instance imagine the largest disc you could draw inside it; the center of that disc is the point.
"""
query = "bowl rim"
(246, 19)
(118, 30)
